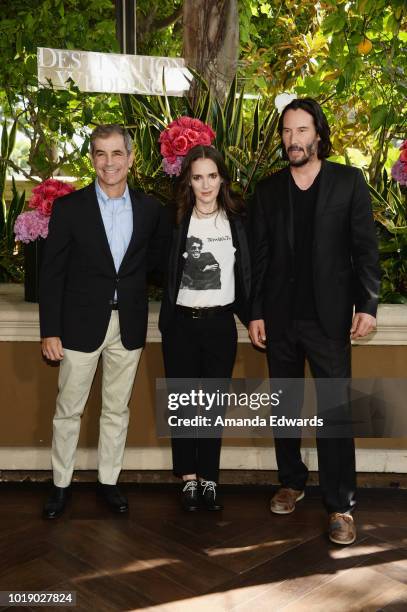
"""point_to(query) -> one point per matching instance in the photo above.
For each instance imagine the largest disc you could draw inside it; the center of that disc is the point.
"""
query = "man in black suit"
(315, 260)
(102, 242)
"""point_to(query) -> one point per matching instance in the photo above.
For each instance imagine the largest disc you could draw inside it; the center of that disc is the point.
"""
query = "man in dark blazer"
(102, 242)
(315, 286)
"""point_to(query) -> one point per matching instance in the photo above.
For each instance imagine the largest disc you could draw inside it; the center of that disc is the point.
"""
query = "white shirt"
(208, 276)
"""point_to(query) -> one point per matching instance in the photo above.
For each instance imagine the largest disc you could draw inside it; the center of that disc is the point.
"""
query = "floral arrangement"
(178, 138)
(33, 224)
(399, 168)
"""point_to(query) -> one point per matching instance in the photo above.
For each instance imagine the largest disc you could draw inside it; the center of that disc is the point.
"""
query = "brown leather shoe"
(341, 528)
(283, 502)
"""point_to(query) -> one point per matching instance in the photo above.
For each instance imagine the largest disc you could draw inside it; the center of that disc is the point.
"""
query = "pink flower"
(167, 150)
(404, 145)
(192, 136)
(172, 168)
(31, 225)
(403, 155)
(196, 124)
(181, 145)
(43, 195)
(179, 137)
(185, 122)
(399, 172)
(204, 139)
(210, 132)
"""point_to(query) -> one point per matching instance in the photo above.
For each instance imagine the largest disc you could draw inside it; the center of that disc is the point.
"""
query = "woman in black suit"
(208, 281)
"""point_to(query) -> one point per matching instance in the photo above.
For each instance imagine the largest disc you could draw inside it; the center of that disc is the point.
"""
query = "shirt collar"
(104, 198)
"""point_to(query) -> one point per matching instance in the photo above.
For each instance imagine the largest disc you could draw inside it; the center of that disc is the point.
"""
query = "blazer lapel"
(137, 224)
(97, 225)
(242, 252)
(288, 207)
(177, 247)
(325, 183)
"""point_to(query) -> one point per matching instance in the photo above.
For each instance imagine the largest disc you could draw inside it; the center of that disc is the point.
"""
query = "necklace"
(201, 212)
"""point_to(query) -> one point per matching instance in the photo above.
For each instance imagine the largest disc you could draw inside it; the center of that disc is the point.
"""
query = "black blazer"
(346, 270)
(176, 263)
(78, 276)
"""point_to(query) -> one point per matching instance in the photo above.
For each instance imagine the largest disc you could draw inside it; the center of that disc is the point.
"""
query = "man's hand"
(257, 333)
(362, 325)
(52, 348)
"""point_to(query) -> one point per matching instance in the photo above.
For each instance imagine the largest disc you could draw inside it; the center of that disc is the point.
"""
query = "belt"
(114, 305)
(202, 313)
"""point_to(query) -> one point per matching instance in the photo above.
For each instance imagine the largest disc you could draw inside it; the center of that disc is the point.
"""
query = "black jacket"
(78, 276)
(345, 257)
(176, 263)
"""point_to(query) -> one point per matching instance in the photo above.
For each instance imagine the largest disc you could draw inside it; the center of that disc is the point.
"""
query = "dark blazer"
(346, 270)
(176, 263)
(78, 276)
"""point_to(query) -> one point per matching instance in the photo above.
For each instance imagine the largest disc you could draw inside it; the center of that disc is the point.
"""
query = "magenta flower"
(179, 137)
(34, 224)
(399, 172)
(172, 168)
(31, 225)
(43, 195)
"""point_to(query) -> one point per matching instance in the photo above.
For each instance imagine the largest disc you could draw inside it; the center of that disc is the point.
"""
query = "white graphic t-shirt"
(208, 275)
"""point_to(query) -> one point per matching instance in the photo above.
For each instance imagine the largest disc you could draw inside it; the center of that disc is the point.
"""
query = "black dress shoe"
(208, 496)
(189, 495)
(114, 498)
(56, 502)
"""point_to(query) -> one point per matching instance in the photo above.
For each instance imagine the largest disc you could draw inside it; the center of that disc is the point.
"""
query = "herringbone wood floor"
(244, 559)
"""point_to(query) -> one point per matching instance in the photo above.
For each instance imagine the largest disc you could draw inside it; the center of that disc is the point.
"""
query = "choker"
(205, 213)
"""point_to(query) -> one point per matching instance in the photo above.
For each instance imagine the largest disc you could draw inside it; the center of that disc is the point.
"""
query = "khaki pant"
(76, 374)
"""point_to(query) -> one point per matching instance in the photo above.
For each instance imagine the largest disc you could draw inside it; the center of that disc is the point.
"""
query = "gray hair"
(104, 131)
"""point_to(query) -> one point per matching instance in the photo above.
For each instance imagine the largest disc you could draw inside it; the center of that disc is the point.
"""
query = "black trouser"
(199, 348)
(327, 358)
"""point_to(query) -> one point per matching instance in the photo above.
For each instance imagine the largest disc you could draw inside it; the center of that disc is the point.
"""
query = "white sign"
(112, 72)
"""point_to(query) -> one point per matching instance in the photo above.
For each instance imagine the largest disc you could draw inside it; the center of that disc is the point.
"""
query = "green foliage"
(6, 148)
(350, 55)
(391, 215)
(10, 259)
(156, 33)
(247, 143)
(56, 122)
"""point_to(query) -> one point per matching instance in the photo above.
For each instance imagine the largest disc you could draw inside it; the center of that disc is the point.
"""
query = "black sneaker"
(189, 495)
(208, 496)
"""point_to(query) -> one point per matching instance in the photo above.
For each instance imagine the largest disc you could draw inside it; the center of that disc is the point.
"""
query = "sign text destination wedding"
(112, 72)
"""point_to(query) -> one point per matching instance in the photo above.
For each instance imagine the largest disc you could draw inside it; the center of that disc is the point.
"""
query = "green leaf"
(378, 117)
(85, 146)
(256, 131)
(340, 86)
(4, 140)
(87, 115)
(53, 124)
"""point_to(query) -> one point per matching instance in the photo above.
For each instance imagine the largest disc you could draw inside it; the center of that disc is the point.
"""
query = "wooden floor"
(245, 559)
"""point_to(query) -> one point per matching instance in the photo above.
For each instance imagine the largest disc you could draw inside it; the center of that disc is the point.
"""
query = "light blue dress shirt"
(117, 216)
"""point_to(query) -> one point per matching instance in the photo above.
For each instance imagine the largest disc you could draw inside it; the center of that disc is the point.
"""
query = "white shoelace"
(210, 485)
(191, 485)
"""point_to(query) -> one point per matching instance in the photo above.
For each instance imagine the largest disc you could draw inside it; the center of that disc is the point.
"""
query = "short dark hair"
(310, 106)
(192, 240)
(106, 130)
(228, 200)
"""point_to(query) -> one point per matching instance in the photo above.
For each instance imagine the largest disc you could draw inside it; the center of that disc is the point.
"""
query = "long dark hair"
(228, 201)
(311, 107)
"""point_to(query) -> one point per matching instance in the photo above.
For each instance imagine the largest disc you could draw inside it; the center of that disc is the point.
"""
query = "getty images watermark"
(219, 401)
(238, 408)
